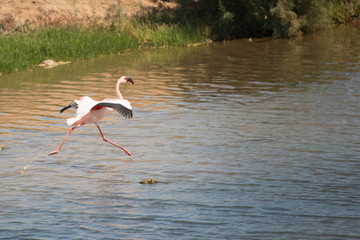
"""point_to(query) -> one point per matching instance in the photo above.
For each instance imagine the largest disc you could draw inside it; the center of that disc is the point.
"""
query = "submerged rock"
(22, 171)
(297, 84)
(149, 181)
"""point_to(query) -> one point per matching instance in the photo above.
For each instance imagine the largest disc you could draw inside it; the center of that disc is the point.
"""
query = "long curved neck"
(118, 90)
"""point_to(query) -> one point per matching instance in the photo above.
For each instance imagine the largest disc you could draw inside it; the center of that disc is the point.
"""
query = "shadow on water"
(245, 133)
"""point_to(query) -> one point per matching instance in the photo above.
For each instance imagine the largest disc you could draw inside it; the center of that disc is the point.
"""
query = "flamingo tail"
(72, 121)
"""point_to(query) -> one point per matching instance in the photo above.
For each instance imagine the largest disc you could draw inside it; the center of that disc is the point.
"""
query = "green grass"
(20, 51)
(162, 35)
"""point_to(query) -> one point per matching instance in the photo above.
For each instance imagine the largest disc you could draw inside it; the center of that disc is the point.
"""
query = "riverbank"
(68, 38)
(77, 29)
(20, 51)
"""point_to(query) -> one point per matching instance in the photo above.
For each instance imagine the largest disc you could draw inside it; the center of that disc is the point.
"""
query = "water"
(249, 140)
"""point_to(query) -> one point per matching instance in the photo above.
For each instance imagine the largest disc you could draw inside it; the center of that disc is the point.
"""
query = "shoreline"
(68, 30)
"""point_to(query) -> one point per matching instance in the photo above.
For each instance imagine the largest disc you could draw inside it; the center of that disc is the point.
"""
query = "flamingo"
(90, 111)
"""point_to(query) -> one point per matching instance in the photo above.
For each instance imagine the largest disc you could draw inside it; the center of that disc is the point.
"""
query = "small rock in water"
(297, 84)
(149, 181)
(22, 171)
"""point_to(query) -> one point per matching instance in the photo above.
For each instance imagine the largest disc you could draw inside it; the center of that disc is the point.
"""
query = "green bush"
(280, 18)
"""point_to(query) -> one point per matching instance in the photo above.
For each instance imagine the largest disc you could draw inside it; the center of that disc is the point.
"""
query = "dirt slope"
(16, 12)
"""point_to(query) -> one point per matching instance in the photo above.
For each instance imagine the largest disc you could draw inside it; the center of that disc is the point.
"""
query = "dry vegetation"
(14, 15)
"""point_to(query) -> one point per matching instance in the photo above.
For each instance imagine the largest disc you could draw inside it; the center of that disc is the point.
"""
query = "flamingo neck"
(118, 90)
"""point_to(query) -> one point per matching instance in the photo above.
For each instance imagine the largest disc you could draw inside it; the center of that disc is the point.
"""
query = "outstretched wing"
(121, 106)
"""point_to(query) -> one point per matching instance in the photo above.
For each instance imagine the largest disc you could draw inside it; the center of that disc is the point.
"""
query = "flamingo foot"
(53, 152)
(127, 152)
(70, 130)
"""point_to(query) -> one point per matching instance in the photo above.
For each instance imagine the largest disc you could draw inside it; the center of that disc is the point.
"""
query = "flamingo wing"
(121, 106)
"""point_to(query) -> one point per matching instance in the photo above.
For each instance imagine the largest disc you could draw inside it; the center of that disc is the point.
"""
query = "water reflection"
(242, 135)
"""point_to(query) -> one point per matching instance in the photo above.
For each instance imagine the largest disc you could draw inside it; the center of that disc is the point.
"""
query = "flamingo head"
(125, 79)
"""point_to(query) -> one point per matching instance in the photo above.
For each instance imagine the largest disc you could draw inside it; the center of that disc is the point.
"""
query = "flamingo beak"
(129, 79)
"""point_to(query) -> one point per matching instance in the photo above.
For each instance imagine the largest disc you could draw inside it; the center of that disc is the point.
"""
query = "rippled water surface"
(249, 140)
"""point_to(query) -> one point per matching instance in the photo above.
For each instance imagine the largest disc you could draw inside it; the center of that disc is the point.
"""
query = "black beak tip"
(129, 79)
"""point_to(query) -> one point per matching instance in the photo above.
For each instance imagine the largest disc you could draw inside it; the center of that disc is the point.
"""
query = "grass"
(22, 50)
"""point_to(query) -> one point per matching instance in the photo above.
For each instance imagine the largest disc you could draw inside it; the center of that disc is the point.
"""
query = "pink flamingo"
(91, 111)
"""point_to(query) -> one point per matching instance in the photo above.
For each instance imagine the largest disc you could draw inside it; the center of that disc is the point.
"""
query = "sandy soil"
(17, 12)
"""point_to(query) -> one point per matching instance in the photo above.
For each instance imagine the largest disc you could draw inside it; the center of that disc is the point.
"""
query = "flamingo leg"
(104, 138)
(70, 130)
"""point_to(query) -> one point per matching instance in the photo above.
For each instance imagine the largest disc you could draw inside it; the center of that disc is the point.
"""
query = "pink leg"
(102, 135)
(70, 130)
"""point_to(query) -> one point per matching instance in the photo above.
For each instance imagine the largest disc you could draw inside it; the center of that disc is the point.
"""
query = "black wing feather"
(127, 113)
(73, 104)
